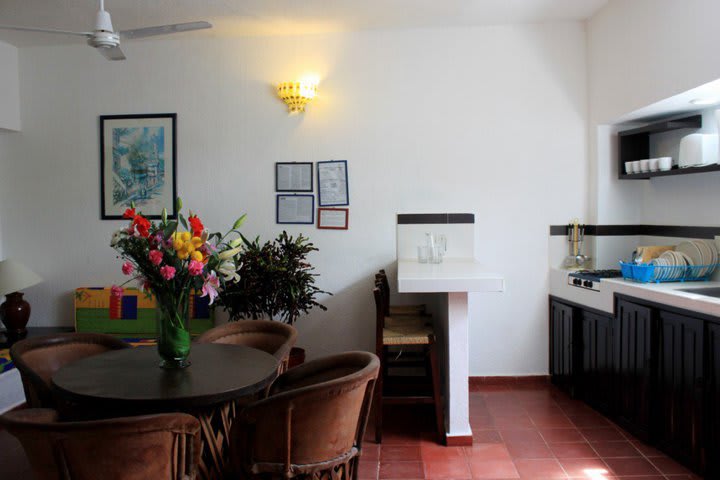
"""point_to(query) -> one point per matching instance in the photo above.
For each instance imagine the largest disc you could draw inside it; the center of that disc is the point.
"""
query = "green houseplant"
(275, 281)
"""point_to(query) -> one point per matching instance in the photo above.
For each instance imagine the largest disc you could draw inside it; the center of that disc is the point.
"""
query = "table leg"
(215, 424)
(457, 370)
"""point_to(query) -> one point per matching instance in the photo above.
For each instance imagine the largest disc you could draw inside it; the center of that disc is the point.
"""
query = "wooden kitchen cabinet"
(563, 351)
(597, 378)
(712, 399)
(634, 366)
(679, 401)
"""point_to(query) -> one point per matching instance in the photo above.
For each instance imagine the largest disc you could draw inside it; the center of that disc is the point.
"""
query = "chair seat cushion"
(407, 309)
(408, 330)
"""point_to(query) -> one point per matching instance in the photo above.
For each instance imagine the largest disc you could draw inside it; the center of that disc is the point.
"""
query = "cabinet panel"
(634, 366)
(712, 399)
(597, 366)
(680, 377)
(562, 351)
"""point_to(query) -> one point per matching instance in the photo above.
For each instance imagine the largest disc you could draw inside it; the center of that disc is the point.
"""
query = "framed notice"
(293, 177)
(333, 218)
(333, 183)
(295, 209)
(138, 164)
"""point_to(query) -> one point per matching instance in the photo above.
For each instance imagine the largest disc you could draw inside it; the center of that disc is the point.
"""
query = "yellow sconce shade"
(297, 94)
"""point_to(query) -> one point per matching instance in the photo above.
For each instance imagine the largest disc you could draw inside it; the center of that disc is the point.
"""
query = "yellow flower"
(185, 236)
(178, 244)
(183, 254)
(196, 255)
(197, 242)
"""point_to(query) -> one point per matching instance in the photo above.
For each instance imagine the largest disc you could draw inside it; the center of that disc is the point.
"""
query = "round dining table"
(130, 382)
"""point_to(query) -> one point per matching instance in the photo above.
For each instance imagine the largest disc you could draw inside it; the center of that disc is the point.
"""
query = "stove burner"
(596, 274)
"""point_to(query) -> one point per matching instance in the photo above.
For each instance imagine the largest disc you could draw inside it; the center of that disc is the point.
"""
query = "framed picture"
(333, 183)
(295, 209)
(293, 177)
(138, 164)
(333, 218)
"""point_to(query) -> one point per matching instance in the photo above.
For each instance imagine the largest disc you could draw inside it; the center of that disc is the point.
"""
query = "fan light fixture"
(297, 94)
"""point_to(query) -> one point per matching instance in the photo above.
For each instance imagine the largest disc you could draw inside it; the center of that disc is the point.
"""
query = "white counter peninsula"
(450, 281)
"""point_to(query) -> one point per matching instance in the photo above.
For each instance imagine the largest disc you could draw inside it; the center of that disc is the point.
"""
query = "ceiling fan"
(107, 41)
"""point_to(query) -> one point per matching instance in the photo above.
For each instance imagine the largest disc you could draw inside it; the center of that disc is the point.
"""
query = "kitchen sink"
(707, 291)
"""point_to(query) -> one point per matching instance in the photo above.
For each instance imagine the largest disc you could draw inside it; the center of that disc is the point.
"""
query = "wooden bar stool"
(414, 332)
(419, 309)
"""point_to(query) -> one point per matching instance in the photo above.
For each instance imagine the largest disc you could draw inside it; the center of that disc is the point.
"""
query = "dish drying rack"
(648, 273)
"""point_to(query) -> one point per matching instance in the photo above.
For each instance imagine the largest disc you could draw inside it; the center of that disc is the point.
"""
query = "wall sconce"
(297, 94)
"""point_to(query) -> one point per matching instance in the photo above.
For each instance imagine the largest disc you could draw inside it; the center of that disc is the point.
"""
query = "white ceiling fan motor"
(104, 35)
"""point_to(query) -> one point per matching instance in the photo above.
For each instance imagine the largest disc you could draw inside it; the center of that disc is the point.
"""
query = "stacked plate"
(693, 259)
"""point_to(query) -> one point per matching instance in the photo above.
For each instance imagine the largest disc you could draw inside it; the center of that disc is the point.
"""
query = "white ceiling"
(280, 17)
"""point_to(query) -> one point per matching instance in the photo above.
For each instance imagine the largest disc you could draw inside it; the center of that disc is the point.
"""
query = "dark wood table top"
(133, 377)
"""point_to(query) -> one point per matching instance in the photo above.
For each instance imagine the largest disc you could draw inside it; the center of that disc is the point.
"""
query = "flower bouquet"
(170, 264)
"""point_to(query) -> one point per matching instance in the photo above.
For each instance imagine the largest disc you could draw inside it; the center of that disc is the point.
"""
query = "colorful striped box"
(134, 313)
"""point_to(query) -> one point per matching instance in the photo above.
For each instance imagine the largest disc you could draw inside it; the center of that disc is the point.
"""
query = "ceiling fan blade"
(45, 30)
(164, 29)
(113, 53)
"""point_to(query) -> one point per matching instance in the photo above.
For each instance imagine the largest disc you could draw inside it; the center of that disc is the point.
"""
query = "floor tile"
(521, 435)
(400, 453)
(602, 434)
(669, 466)
(540, 469)
(563, 435)
(435, 453)
(587, 468)
(401, 470)
(630, 466)
(442, 470)
(529, 450)
(615, 449)
(486, 436)
(487, 451)
(493, 469)
(573, 450)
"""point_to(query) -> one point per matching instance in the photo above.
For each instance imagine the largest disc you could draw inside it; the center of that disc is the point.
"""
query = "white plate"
(692, 251)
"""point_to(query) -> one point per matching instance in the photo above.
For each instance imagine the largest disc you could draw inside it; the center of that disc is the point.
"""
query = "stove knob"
(577, 281)
(587, 283)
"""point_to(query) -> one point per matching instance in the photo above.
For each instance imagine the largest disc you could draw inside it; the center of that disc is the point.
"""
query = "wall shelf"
(634, 144)
(674, 171)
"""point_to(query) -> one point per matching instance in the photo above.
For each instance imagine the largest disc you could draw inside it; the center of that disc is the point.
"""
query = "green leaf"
(238, 223)
(164, 216)
(183, 221)
(169, 229)
(178, 204)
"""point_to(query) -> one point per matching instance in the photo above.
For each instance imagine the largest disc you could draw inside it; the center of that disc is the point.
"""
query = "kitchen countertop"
(452, 275)
(663, 293)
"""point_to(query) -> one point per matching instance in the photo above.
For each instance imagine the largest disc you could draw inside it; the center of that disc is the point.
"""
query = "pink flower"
(212, 283)
(195, 268)
(167, 272)
(128, 268)
(116, 291)
(156, 257)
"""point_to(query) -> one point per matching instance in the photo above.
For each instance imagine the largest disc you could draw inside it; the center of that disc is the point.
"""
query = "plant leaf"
(238, 223)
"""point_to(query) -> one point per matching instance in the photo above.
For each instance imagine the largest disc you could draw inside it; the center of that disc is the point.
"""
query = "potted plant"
(275, 281)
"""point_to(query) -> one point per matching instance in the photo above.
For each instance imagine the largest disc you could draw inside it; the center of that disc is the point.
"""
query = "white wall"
(641, 52)
(484, 120)
(9, 88)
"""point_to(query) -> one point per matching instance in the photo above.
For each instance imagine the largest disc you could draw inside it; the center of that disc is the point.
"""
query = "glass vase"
(173, 332)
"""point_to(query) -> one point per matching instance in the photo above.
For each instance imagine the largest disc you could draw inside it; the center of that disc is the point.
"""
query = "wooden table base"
(215, 427)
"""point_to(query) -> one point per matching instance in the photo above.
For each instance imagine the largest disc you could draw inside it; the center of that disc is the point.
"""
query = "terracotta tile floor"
(532, 432)
(527, 432)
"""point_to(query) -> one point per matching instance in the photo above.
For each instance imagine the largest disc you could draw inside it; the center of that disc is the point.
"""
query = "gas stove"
(589, 279)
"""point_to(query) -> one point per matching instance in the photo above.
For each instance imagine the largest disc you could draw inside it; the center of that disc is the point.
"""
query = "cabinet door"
(712, 385)
(634, 366)
(562, 368)
(680, 379)
(597, 366)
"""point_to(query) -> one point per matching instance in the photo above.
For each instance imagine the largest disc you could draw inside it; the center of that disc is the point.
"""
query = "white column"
(457, 368)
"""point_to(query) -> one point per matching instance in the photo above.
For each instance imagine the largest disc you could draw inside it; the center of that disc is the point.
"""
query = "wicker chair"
(37, 359)
(381, 281)
(163, 446)
(311, 425)
(275, 338)
(413, 339)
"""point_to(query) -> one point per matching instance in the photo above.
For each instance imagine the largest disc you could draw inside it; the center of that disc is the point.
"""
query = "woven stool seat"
(415, 330)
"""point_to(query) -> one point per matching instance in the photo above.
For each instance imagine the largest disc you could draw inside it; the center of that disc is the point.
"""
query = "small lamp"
(15, 312)
(297, 94)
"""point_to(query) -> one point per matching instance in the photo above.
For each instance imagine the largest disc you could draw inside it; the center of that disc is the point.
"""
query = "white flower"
(116, 236)
(228, 270)
(229, 253)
